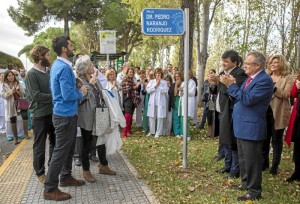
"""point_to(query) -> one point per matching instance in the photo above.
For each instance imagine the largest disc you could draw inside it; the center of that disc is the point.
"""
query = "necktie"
(247, 82)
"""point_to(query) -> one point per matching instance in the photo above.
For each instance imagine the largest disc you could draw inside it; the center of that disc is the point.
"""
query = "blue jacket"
(249, 112)
(63, 89)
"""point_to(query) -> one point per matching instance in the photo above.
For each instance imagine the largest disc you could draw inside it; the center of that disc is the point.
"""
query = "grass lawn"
(159, 162)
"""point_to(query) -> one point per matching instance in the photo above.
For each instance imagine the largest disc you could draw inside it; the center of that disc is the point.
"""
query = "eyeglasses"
(249, 63)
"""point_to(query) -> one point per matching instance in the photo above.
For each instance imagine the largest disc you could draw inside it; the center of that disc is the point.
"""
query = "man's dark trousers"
(250, 159)
(61, 161)
(42, 126)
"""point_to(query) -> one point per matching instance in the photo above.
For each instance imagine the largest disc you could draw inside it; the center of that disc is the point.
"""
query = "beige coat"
(9, 101)
(280, 102)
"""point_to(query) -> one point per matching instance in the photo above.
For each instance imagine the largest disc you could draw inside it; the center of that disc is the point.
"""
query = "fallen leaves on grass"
(228, 182)
(223, 199)
(191, 188)
(159, 163)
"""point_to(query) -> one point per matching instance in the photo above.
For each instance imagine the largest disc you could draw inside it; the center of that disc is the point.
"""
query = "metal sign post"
(158, 21)
(185, 91)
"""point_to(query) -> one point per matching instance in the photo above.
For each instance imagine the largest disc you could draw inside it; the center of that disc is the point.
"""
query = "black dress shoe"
(274, 170)
(238, 187)
(94, 158)
(248, 197)
(265, 166)
(223, 170)
(232, 175)
(219, 157)
(294, 177)
(77, 161)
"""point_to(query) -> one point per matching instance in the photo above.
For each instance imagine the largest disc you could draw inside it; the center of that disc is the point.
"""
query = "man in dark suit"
(223, 111)
(249, 121)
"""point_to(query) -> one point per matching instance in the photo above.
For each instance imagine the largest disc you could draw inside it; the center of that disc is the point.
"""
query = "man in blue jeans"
(65, 96)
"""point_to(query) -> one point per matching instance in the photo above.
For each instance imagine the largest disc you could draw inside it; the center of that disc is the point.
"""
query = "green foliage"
(6, 59)
(33, 15)
(85, 37)
(45, 39)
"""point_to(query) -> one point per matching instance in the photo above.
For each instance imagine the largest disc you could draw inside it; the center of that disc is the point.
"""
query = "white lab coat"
(161, 92)
(191, 99)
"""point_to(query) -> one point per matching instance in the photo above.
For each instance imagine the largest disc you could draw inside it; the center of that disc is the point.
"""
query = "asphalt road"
(6, 147)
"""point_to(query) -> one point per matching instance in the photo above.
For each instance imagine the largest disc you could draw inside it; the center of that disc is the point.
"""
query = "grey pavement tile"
(122, 188)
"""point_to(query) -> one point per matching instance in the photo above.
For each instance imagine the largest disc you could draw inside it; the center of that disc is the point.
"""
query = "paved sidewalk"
(18, 183)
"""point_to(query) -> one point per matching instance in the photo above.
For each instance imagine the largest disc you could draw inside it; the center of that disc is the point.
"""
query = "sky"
(12, 37)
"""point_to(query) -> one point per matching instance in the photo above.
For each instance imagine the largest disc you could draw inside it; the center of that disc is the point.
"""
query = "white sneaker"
(149, 134)
(156, 136)
(188, 139)
(178, 136)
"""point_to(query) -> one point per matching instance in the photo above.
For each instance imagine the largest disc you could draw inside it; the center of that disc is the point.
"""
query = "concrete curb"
(146, 189)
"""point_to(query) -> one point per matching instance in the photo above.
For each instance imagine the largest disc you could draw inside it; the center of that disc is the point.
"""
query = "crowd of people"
(246, 106)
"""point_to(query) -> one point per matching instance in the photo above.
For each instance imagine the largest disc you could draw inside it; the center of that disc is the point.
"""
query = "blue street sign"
(157, 21)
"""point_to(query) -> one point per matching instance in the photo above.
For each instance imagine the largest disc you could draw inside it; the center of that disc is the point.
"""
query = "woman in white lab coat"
(191, 100)
(157, 106)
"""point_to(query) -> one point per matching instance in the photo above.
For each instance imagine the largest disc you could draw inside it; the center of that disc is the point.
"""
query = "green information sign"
(119, 64)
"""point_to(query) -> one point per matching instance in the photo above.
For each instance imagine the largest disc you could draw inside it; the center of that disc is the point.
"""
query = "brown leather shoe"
(88, 177)
(71, 182)
(106, 170)
(56, 195)
(248, 197)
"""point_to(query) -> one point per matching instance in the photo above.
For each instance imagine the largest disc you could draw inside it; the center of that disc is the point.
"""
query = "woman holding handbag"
(11, 92)
(86, 110)
(86, 116)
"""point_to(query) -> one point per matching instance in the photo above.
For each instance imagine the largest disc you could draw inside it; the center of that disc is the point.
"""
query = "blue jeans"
(204, 116)
(231, 160)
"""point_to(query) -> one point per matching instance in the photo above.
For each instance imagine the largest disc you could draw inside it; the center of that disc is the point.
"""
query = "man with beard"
(22, 74)
(39, 95)
(65, 96)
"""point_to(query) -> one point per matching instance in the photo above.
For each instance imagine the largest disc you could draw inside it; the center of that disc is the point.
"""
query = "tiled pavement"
(18, 183)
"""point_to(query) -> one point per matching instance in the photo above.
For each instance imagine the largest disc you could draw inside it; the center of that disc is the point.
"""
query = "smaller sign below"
(119, 64)
(108, 42)
(156, 21)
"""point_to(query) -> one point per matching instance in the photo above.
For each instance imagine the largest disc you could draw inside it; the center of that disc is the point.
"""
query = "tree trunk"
(298, 54)
(66, 26)
(204, 41)
(198, 71)
(266, 34)
(295, 17)
(187, 4)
